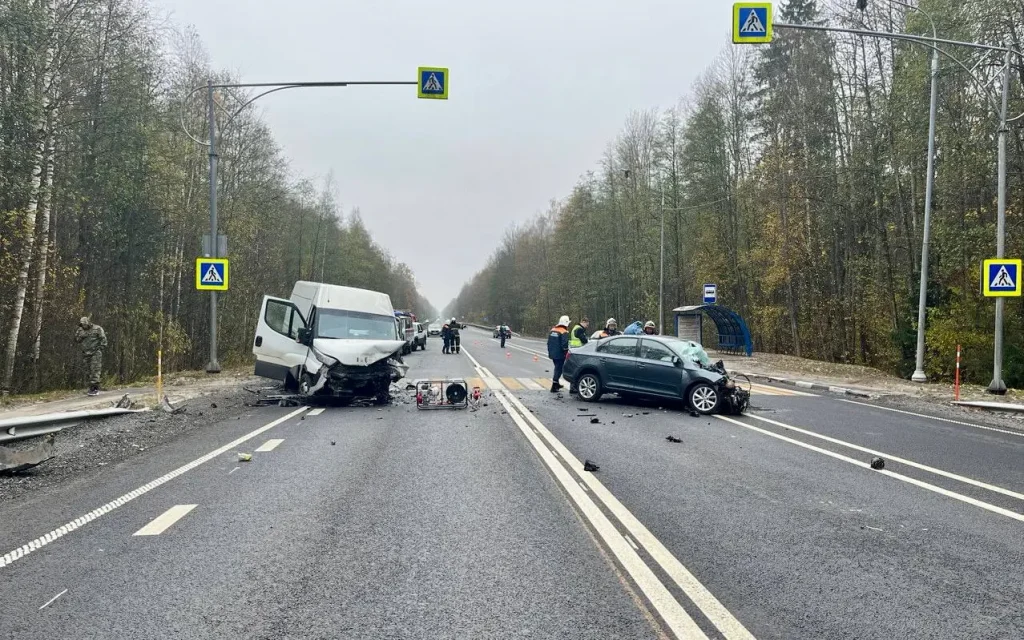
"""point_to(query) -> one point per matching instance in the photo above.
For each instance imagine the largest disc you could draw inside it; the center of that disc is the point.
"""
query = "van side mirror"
(305, 337)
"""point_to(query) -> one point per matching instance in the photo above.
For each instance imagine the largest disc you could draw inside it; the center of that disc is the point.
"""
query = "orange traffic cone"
(508, 354)
(536, 359)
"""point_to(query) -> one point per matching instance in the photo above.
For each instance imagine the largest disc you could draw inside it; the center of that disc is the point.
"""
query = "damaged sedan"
(330, 341)
(654, 366)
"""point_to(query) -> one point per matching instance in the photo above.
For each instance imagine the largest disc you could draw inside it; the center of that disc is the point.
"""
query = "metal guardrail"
(13, 429)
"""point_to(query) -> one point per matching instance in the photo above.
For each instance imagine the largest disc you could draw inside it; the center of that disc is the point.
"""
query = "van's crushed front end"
(353, 369)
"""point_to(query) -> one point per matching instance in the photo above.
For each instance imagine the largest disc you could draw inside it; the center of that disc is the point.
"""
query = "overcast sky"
(537, 91)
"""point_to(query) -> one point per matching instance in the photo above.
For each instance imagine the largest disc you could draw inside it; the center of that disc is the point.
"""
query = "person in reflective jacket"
(558, 346)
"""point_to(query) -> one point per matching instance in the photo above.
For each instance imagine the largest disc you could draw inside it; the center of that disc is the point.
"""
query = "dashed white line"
(53, 599)
(315, 412)
(234, 470)
(164, 521)
(269, 445)
(39, 542)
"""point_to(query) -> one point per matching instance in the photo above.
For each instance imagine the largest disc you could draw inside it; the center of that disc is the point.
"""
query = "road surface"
(398, 523)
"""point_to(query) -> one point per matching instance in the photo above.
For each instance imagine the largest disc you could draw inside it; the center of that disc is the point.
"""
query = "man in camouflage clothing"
(91, 338)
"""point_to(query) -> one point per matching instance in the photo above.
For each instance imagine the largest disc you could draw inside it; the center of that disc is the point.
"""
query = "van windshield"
(354, 325)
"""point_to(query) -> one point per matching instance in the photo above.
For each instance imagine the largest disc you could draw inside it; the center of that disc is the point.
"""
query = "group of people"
(450, 336)
(561, 339)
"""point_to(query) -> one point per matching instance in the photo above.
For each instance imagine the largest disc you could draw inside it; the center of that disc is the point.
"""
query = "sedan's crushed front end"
(734, 399)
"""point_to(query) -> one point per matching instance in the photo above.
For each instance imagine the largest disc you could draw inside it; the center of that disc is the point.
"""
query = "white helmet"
(650, 325)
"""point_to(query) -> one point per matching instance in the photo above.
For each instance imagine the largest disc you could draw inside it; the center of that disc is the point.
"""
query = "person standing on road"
(503, 334)
(578, 335)
(558, 346)
(446, 337)
(650, 328)
(92, 340)
(453, 328)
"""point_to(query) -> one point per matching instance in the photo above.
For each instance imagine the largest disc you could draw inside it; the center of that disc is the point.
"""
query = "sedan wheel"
(704, 398)
(589, 387)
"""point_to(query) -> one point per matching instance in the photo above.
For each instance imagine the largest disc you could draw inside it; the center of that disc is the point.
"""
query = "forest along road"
(393, 522)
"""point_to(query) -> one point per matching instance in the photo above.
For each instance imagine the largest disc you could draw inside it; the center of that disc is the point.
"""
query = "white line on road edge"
(924, 415)
(673, 614)
(164, 521)
(889, 456)
(270, 445)
(709, 605)
(53, 599)
(924, 485)
(315, 412)
(44, 540)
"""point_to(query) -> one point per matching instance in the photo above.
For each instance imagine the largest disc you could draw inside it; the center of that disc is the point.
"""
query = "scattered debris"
(581, 408)
(124, 403)
(645, 412)
(244, 457)
(671, 438)
(627, 415)
(590, 466)
(695, 414)
(213, 405)
(13, 460)
(595, 421)
(877, 463)
(332, 443)
(173, 409)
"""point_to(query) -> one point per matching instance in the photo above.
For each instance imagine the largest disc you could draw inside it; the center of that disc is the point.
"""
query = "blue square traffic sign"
(1002, 277)
(433, 83)
(751, 22)
(212, 274)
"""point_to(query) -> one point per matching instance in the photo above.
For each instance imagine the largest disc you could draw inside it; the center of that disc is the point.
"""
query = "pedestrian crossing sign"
(1001, 277)
(751, 22)
(212, 274)
(433, 83)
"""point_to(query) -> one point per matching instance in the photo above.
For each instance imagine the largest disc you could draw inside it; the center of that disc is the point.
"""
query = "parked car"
(655, 366)
(328, 340)
(407, 329)
(419, 341)
(502, 327)
(435, 329)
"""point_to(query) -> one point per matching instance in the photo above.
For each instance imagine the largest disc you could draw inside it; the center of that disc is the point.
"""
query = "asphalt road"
(398, 523)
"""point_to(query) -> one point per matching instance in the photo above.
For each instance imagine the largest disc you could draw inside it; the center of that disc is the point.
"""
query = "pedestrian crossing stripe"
(511, 384)
(212, 274)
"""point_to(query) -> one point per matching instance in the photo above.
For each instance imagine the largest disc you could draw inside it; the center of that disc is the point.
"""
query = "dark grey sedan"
(656, 366)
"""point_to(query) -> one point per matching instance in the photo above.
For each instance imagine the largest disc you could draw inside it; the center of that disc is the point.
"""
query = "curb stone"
(857, 393)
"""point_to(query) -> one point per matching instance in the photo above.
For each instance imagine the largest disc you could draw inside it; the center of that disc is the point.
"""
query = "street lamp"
(213, 366)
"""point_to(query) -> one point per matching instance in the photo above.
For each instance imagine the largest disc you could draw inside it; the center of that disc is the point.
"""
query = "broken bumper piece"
(349, 382)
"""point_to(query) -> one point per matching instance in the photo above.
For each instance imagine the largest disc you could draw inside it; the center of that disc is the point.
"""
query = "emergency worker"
(578, 335)
(558, 346)
(650, 328)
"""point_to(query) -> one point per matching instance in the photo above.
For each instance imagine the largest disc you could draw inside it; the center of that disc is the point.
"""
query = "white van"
(330, 340)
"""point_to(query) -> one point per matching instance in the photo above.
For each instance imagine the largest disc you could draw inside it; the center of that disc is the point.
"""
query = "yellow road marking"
(476, 382)
(543, 382)
(511, 383)
(530, 384)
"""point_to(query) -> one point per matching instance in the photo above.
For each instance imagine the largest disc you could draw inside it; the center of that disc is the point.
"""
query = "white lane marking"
(45, 539)
(673, 614)
(924, 485)
(529, 351)
(923, 415)
(584, 486)
(489, 379)
(270, 445)
(709, 605)
(631, 543)
(234, 470)
(889, 456)
(872, 528)
(776, 391)
(53, 599)
(163, 521)
(805, 385)
(530, 384)
(316, 412)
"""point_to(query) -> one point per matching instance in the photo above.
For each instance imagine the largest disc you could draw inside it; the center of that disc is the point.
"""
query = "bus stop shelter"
(733, 334)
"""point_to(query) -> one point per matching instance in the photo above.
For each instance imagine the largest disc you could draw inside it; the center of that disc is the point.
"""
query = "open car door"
(278, 353)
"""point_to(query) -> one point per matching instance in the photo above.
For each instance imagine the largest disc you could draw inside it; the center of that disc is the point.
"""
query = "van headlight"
(323, 357)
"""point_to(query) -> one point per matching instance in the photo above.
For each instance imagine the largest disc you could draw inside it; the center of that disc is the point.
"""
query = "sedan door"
(657, 371)
(618, 359)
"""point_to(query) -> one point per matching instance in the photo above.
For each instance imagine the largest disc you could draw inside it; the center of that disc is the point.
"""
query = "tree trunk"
(45, 247)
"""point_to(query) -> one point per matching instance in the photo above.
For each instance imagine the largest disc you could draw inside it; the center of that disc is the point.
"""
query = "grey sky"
(537, 91)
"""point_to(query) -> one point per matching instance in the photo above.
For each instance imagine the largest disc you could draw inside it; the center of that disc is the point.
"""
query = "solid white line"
(776, 391)
(28, 548)
(715, 611)
(315, 412)
(673, 614)
(163, 521)
(924, 485)
(53, 599)
(889, 456)
(270, 445)
(923, 415)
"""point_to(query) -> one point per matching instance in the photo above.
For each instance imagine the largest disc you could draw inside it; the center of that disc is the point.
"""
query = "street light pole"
(997, 386)
(661, 282)
(212, 366)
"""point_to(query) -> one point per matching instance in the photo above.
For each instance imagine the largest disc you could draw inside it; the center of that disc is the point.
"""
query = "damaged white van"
(330, 341)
